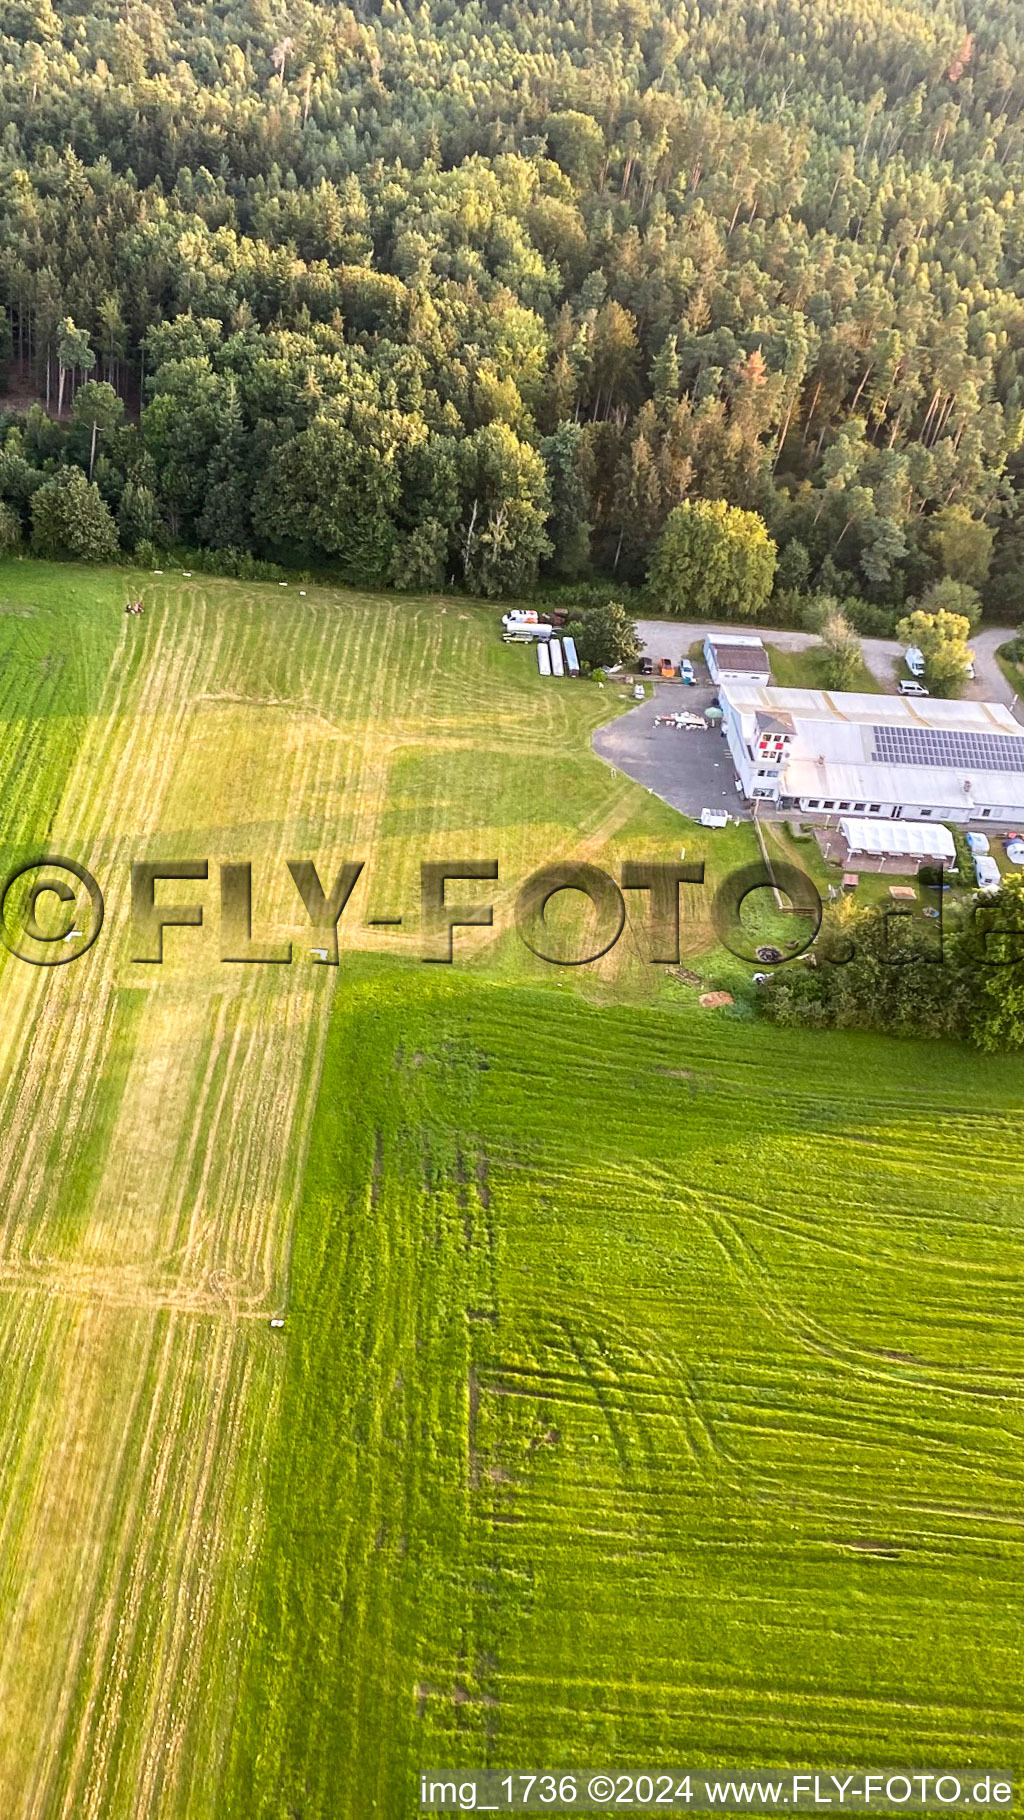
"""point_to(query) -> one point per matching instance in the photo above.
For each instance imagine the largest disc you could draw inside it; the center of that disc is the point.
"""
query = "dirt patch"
(685, 975)
(713, 1001)
(552, 1438)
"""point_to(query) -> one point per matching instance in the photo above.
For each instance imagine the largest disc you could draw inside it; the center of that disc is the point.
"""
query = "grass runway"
(652, 1386)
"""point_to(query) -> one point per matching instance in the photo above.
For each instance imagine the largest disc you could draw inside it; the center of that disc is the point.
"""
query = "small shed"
(737, 660)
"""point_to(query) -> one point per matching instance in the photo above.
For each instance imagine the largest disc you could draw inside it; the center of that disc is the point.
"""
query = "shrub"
(70, 519)
(607, 636)
(238, 565)
(841, 651)
(869, 619)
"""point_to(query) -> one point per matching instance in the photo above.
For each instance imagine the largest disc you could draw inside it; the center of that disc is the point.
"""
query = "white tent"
(921, 840)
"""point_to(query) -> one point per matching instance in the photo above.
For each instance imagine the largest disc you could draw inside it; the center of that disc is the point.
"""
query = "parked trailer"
(544, 659)
(572, 662)
(557, 661)
(526, 635)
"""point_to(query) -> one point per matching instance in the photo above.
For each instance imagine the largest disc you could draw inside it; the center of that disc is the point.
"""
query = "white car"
(978, 843)
(986, 872)
(908, 687)
(685, 670)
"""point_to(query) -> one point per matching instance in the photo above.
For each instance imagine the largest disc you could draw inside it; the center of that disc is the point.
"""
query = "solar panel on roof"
(948, 748)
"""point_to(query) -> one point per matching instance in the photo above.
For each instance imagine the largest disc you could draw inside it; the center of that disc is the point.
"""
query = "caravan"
(523, 628)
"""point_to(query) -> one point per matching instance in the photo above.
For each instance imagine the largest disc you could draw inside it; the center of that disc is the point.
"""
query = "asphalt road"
(883, 656)
(692, 771)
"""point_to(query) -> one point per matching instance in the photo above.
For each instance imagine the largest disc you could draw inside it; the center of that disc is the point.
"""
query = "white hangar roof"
(888, 748)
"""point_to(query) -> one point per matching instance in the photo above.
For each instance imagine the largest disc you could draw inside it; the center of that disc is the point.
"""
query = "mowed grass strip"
(233, 723)
(156, 1120)
(132, 1518)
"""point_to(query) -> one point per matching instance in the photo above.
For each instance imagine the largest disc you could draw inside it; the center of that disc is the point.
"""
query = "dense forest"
(478, 293)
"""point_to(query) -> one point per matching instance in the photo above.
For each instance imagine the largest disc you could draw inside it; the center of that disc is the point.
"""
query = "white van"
(913, 657)
(986, 872)
(908, 687)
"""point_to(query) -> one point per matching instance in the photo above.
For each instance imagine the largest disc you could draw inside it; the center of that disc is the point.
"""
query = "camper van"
(523, 628)
(986, 872)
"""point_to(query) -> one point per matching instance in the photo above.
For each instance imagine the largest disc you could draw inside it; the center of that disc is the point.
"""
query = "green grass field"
(806, 670)
(650, 1387)
(672, 1374)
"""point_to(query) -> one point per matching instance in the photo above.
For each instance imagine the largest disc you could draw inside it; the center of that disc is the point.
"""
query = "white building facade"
(736, 659)
(875, 755)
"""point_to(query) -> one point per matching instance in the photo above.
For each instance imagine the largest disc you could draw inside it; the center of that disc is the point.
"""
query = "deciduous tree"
(942, 640)
(69, 518)
(714, 561)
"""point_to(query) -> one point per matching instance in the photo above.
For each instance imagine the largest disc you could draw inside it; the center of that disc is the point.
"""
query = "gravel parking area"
(691, 771)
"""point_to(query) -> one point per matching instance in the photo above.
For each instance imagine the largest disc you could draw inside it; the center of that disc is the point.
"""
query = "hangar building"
(876, 755)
